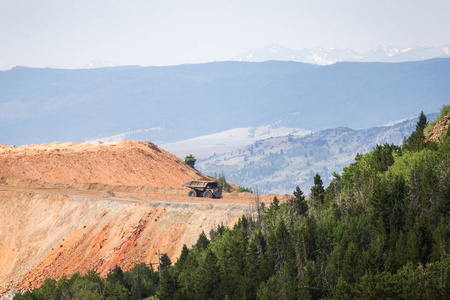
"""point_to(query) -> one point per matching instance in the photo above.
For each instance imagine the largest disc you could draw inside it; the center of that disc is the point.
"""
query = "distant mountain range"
(279, 164)
(169, 104)
(228, 140)
(321, 56)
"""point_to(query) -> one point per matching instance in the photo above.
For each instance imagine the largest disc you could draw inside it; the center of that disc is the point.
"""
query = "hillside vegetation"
(380, 230)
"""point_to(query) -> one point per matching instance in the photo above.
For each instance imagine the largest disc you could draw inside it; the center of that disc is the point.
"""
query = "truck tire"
(192, 193)
(208, 194)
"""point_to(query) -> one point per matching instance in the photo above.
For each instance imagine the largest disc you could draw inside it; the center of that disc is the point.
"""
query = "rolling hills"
(167, 104)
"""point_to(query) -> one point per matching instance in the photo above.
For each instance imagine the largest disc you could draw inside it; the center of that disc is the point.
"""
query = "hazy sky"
(70, 34)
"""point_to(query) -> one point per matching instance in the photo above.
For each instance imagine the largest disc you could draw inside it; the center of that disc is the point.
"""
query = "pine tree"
(190, 160)
(202, 241)
(416, 141)
(350, 263)
(165, 261)
(275, 205)
(278, 246)
(208, 280)
(419, 241)
(381, 157)
(299, 203)
(47, 290)
(183, 256)
(422, 123)
(116, 275)
(116, 291)
(167, 286)
(317, 191)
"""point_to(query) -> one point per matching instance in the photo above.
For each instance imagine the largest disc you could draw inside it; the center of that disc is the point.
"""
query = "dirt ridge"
(130, 163)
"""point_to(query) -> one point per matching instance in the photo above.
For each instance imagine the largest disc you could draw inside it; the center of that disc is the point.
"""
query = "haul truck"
(207, 189)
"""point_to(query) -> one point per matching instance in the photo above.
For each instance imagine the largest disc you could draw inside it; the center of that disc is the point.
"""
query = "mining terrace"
(71, 207)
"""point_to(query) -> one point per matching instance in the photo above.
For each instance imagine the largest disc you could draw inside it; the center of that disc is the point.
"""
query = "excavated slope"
(46, 234)
(119, 163)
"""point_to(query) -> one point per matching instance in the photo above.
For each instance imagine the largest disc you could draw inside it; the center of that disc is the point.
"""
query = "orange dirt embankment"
(118, 163)
(48, 234)
(68, 207)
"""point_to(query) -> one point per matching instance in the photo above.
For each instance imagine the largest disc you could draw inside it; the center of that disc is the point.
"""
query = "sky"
(70, 34)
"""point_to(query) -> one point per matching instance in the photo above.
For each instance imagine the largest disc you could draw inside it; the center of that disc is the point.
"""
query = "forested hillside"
(380, 230)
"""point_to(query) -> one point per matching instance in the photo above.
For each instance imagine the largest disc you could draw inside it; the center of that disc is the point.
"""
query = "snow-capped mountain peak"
(98, 63)
(321, 56)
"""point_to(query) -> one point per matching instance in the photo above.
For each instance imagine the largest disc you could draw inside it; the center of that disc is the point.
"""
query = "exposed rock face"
(438, 129)
(72, 207)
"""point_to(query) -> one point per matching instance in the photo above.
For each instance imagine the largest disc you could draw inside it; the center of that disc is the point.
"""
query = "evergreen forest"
(380, 230)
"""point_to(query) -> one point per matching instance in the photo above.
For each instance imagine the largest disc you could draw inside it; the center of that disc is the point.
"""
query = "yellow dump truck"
(207, 189)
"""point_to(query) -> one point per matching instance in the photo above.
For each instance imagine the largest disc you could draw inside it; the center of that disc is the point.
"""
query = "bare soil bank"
(48, 233)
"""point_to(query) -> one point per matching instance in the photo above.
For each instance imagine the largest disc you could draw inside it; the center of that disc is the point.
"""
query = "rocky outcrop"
(438, 129)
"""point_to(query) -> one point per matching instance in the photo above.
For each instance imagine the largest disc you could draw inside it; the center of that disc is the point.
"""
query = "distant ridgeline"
(277, 165)
(380, 230)
(166, 104)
